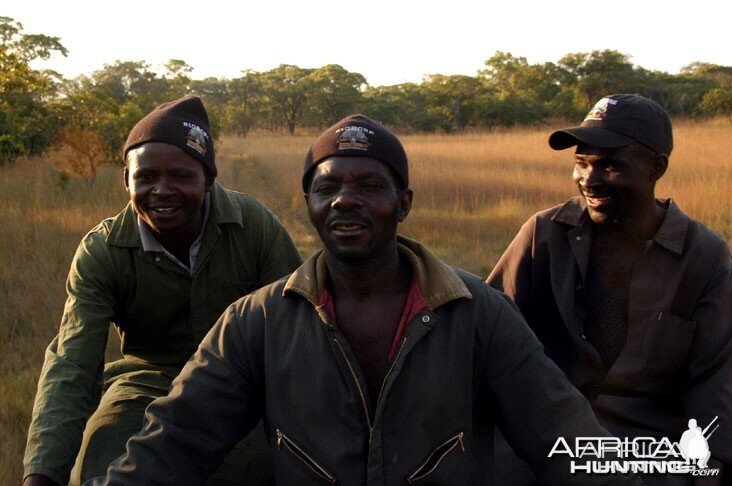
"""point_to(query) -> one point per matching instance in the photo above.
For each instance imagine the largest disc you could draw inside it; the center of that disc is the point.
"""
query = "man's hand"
(38, 480)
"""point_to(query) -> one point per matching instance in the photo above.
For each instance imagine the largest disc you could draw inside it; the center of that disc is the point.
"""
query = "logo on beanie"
(599, 111)
(196, 138)
(353, 138)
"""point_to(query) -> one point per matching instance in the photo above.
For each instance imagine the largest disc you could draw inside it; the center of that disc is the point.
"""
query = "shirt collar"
(438, 283)
(150, 243)
(670, 235)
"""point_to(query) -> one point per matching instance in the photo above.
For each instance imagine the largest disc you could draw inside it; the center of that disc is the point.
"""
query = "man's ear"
(405, 204)
(126, 175)
(659, 164)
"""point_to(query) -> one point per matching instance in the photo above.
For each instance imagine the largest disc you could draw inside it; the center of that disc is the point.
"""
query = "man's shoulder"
(701, 236)
(479, 289)
(234, 206)
(270, 296)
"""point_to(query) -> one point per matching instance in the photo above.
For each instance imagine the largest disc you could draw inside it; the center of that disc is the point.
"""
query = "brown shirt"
(676, 363)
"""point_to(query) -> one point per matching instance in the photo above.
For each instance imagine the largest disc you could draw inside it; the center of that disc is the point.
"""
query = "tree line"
(89, 116)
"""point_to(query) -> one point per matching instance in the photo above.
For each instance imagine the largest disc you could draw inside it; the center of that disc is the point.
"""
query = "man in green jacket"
(374, 363)
(161, 271)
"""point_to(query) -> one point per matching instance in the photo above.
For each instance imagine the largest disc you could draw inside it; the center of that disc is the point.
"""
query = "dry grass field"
(472, 193)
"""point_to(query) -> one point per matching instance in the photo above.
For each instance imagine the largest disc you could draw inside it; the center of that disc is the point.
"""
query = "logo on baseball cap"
(619, 120)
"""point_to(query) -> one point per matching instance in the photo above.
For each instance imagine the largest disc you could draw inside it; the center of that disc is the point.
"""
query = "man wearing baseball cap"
(373, 363)
(630, 297)
(161, 271)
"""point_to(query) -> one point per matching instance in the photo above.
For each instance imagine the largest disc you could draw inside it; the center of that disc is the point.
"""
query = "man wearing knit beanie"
(161, 271)
(373, 363)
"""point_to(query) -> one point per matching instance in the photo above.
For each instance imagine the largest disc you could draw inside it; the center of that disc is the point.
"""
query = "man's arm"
(214, 402)
(709, 389)
(278, 255)
(535, 402)
(71, 378)
(512, 273)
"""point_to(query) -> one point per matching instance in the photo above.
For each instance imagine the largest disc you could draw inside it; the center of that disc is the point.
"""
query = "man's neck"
(385, 273)
(642, 225)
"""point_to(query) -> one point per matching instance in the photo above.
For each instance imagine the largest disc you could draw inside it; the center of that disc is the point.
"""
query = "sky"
(388, 41)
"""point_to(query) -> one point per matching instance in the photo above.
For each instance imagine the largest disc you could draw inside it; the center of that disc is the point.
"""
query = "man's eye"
(143, 177)
(325, 189)
(373, 186)
(580, 164)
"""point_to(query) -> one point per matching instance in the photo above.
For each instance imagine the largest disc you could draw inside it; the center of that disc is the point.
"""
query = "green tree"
(718, 101)
(336, 93)
(28, 119)
(244, 104)
(600, 73)
(452, 99)
(287, 88)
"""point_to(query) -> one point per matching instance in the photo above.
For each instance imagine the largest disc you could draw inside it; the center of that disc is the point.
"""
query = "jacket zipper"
(358, 385)
(436, 457)
(391, 368)
(303, 456)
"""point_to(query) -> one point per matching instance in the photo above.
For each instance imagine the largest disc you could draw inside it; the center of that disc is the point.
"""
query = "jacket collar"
(125, 232)
(671, 234)
(438, 283)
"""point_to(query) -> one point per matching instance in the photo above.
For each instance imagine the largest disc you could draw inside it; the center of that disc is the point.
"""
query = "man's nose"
(347, 198)
(162, 187)
(591, 177)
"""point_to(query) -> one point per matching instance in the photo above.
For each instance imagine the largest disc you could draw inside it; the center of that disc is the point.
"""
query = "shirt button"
(579, 238)
(425, 319)
(578, 288)
(157, 259)
(584, 337)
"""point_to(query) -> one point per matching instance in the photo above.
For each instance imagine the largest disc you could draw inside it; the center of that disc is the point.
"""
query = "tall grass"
(472, 193)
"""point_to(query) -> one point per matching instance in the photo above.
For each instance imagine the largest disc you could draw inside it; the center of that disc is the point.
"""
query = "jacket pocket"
(426, 470)
(304, 463)
(667, 344)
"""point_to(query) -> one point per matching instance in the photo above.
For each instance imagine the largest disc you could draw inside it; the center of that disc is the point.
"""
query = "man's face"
(616, 182)
(166, 187)
(355, 206)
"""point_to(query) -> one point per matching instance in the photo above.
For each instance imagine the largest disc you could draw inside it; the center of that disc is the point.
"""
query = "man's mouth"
(163, 210)
(596, 200)
(347, 227)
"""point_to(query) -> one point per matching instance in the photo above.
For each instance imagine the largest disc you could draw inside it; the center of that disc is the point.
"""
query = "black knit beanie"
(183, 123)
(357, 135)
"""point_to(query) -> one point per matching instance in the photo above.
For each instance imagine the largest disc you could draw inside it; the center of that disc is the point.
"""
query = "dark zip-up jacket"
(466, 361)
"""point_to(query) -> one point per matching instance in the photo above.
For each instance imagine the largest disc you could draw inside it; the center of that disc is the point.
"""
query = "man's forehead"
(151, 151)
(351, 164)
(633, 150)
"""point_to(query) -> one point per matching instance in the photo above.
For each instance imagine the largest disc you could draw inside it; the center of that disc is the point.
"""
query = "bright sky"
(388, 41)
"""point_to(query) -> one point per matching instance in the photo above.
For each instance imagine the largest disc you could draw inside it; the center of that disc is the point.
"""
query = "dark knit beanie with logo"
(357, 136)
(183, 123)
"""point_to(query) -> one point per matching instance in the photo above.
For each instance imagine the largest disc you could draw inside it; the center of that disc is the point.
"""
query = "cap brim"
(595, 136)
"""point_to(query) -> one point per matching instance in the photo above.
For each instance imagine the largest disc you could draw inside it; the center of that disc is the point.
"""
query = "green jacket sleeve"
(216, 400)
(278, 255)
(71, 378)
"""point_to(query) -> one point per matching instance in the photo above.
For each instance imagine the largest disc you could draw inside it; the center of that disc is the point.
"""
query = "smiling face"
(167, 189)
(617, 182)
(355, 206)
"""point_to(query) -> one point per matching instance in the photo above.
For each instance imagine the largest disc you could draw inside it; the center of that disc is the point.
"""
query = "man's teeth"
(347, 227)
(163, 210)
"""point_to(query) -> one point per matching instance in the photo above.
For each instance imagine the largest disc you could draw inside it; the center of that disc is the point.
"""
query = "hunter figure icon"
(694, 445)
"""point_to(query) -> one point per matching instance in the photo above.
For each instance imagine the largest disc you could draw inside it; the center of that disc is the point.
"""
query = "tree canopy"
(90, 115)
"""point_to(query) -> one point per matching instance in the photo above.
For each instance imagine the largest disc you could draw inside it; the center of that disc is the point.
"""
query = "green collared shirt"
(161, 311)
